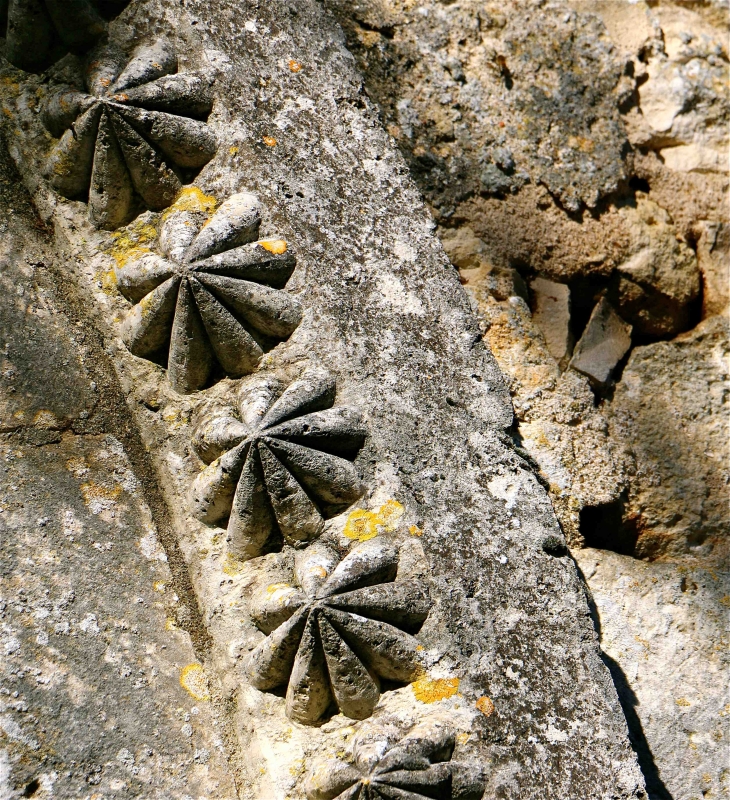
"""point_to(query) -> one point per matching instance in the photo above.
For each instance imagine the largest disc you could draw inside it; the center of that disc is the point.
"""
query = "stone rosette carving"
(281, 462)
(131, 139)
(39, 31)
(337, 630)
(390, 764)
(212, 298)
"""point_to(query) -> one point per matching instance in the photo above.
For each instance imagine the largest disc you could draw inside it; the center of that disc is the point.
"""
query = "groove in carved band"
(133, 137)
(341, 629)
(281, 463)
(388, 765)
(39, 31)
(212, 297)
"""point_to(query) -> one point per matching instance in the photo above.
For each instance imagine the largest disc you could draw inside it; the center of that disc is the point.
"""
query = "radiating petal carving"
(296, 471)
(329, 642)
(391, 764)
(133, 136)
(206, 316)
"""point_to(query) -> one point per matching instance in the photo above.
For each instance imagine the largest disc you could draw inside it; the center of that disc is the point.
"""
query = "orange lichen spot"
(682, 701)
(363, 525)
(233, 150)
(294, 66)
(269, 141)
(275, 246)
(485, 705)
(195, 682)
(105, 82)
(431, 690)
(120, 98)
(414, 530)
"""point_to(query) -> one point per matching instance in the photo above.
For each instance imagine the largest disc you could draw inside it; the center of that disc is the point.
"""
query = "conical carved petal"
(191, 356)
(146, 328)
(148, 62)
(270, 311)
(69, 165)
(29, 34)
(216, 432)
(391, 653)
(63, 108)
(77, 21)
(188, 93)
(273, 604)
(388, 792)
(263, 262)
(138, 278)
(272, 661)
(298, 518)
(328, 778)
(331, 480)
(235, 222)
(337, 430)
(405, 604)
(308, 695)
(356, 691)
(104, 63)
(252, 519)
(154, 181)
(178, 230)
(256, 395)
(110, 193)
(313, 565)
(368, 563)
(428, 742)
(211, 496)
(236, 350)
(314, 391)
(433, 781)
(188, 143)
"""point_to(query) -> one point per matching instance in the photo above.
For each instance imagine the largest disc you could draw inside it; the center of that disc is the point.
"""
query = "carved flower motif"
(338, 631)
(389, 765)
(38, 31)
(130, 139)
(281, 462)
(206, 298)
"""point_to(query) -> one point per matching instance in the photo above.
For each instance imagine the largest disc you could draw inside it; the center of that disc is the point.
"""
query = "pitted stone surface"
(281, 462)
(209, 301)
(133, 137)
(339, 631)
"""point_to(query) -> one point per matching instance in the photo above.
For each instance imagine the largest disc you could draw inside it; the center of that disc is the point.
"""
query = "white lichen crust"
(337, 630)
(387, 764)
(131, 139)
(280, 462)
(212, 298)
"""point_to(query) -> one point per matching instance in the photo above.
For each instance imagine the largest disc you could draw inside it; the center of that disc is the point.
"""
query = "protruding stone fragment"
(552, 315)
(604, 343)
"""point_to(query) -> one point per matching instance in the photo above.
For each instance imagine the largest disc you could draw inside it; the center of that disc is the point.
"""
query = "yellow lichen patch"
(46, 419)
(275, 246)
(431, 690)
(232, 566)
(269, 141)
(98, 496)
(363, 525)
(414, 530)
(233, 150)
(485, 705)
(725, 600)
(190, 198)
(77, 466)
(294, 66)
(170, 624)
(682, 701)
(132, 241)
(195, 682)
(159, 586)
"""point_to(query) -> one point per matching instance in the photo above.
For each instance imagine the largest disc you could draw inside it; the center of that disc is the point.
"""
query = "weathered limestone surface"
(100, 689)
(508, 650)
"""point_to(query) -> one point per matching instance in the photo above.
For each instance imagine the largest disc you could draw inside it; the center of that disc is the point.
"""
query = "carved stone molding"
(213, 295)
(337, 630)
(389, 764)
(133, 137)
(279, 462)
(38, 31)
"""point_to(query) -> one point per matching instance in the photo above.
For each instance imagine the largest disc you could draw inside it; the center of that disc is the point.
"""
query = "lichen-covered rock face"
(39, 31)
(338, 631)
(281, 462)
(388, 762)
(212, 298)
(130, 140)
